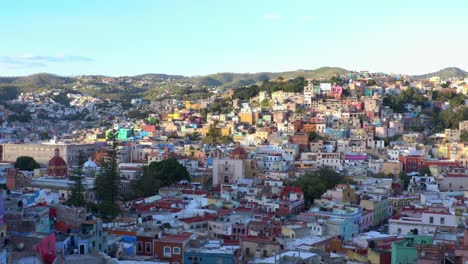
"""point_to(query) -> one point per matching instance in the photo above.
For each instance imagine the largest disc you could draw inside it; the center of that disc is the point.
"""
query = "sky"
(198, 37)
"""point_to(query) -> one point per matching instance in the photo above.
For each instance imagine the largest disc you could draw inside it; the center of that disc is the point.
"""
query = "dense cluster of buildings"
(403, 200)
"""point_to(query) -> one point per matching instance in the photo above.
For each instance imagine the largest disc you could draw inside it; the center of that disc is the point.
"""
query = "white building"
(426, 221)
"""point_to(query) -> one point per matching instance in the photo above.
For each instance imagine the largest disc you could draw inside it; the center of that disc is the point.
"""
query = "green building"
(124, 134)
(405, 251)
(378, 206)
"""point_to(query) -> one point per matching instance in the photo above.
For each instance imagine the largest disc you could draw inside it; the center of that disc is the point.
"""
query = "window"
(399, 230)
(148, 247)
(442, 221)
(431, 220)
(167, 252)
(176, 250)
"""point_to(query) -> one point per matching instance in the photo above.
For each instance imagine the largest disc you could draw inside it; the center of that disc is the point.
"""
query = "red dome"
(57, 165)
(238, 153)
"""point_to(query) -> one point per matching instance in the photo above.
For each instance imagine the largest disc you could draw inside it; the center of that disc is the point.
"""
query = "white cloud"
(35, 61)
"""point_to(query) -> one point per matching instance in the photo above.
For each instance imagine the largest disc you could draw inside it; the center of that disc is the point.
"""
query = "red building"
(145, 245)
(43, 244)
(411, 163)
(440, 163)
(302, 140)
(171, 247)
(57, 165)
(148, 128)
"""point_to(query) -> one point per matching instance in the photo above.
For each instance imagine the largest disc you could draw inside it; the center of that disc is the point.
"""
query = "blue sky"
(208, 36)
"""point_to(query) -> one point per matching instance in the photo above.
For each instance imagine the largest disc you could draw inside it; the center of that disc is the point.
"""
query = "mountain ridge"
(444, 74)
(221, 79)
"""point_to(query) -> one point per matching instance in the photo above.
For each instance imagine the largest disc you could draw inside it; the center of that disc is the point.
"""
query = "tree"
(26, 163)
(265, 103)
(8, 93)
(371, 83)
(108, 181)
(160, 174)
(78, 197)
(314, 136)
(464, 136)
(153, 121)
(318, 182)
(405, 179)
(425, 171)
(213, 134)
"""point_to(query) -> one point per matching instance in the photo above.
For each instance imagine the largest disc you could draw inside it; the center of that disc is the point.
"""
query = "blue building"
(211, 251)
(345, 228)
(347, 212)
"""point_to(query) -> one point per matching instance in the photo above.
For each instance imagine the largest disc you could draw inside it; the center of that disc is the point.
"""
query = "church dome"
(90, 163)
(57, 165)
(238, 153)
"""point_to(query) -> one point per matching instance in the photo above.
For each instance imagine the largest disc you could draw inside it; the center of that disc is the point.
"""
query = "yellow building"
(247, 117)
(399, 202)
(349, 194)
(195, 106)
(174, 116)
(261, 134)
(376, 256)
(434, 79)
(390, 168)
(226, 131)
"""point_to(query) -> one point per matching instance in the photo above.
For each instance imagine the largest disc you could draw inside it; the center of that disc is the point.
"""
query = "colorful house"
(406, 251)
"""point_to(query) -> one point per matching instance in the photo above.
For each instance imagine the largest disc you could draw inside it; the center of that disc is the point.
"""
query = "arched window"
(167, 251)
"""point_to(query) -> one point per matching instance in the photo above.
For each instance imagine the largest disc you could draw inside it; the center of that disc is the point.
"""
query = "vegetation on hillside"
(159, 174)
(444, 74)
(235, 80)
(294, 85)
(318, 182)
(397, 102)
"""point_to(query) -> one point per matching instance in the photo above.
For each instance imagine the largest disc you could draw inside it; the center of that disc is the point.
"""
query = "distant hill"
(36, 81)
(154, 84)
(444, 74)
(158, 76)
(234, 80)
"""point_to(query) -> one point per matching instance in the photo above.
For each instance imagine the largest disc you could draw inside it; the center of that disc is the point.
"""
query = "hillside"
(234, 80)
(151, 85)
(36, 81)
(444, 74)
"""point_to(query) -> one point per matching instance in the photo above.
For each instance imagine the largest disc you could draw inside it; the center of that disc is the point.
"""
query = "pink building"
(336, 91)
(46, 248)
